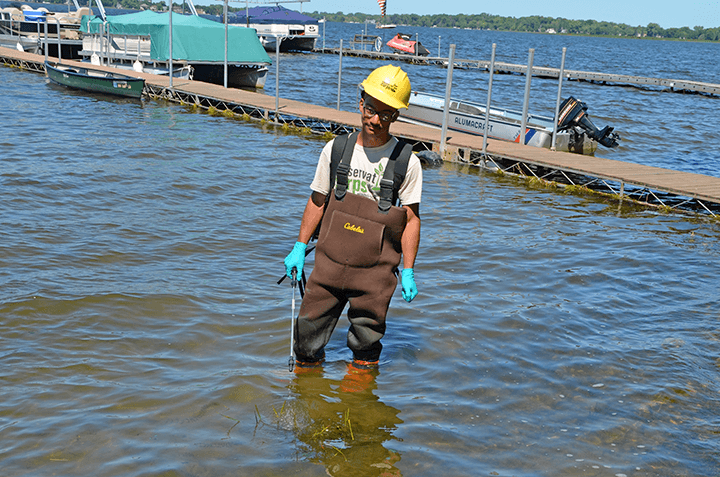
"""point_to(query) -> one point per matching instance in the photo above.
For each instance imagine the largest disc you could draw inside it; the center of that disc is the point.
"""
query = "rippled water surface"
(142, 332)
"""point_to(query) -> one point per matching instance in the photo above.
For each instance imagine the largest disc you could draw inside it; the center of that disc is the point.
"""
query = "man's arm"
(411, 236)
(311, 217)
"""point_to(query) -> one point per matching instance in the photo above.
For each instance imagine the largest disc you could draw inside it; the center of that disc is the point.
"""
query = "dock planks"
(698, 187)
(674, 85)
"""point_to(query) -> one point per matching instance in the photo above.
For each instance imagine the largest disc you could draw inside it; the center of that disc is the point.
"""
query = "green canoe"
(97, 81)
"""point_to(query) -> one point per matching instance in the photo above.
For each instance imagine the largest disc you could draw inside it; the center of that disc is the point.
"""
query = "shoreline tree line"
(482, 21)
(531, 24)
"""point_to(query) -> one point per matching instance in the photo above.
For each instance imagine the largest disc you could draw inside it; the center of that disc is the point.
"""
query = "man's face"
(376, 116)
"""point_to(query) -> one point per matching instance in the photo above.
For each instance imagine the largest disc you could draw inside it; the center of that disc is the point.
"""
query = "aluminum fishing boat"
(96, 81)
(576, 133)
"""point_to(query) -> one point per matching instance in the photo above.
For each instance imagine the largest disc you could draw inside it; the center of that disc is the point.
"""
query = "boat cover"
(195, 39)
(272, 14)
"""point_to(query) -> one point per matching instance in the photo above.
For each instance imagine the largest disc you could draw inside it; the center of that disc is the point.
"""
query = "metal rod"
(59, 41)
(293, 284)
(528, 77)
(225, 20)
(559, 96)
(446, 107)
(339, 75)
(487, 106)
(171, 42)
(277, 76)
(46, 41)
(439, 38)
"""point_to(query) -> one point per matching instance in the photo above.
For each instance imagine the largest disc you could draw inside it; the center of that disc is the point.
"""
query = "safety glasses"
(385, 117)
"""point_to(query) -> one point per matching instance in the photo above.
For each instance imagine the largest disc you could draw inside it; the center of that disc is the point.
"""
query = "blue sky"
(666, 13)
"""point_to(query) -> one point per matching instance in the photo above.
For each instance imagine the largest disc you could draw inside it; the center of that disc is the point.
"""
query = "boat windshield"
(465, 108)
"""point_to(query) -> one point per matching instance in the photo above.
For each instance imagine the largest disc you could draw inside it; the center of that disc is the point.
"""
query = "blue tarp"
(271, 14)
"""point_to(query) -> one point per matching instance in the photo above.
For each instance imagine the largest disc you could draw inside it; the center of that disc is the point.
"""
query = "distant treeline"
(482, 21)
(534, 24)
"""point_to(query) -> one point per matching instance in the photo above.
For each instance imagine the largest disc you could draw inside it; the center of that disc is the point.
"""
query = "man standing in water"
(363, 234)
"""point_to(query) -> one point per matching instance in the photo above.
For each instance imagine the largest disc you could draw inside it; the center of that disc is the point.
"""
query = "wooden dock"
(639, 183)
(674, 85)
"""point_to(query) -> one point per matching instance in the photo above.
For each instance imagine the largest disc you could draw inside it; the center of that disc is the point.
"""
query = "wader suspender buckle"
(386, 188)
(387, 183)
(343, 169)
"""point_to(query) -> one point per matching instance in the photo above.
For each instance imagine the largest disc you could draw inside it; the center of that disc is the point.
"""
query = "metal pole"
(446, 107)
(225, 20)
(339, 75)
(487, 106)
(46, 41)
(59, 43)
(439, 37)
(557, 104)
(171, 41)
(417, 49)
(277, 76)
(528, 76)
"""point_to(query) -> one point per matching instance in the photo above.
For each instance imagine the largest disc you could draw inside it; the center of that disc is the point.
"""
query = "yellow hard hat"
(390, 85)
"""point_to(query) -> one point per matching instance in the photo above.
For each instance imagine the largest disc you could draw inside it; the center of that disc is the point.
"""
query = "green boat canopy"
(195, 39)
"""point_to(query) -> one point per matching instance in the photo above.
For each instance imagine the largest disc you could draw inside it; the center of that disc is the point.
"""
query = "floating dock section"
(649, 185)
(674, 85)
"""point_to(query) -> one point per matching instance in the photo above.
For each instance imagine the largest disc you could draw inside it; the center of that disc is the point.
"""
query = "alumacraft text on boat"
(473, 123)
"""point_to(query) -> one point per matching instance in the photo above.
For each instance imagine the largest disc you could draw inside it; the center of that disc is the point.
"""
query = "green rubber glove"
(409, 289)
(296, 259)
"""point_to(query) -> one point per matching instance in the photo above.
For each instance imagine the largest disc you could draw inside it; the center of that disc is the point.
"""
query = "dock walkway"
(640, 183)
(674, 85)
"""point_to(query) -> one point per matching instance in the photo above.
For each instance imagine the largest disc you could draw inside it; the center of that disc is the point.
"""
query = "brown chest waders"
(356, 260)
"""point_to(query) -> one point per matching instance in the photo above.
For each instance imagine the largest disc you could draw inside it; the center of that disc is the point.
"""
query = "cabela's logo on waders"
(354, 228)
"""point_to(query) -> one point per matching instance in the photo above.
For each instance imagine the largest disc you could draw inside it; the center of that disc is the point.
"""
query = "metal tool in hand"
(293, 284)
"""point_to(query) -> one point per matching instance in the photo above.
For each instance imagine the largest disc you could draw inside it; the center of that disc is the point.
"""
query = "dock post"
(225, 63)
(487, 106)
(46, 41)
(277, 75)
(339, 75)
(559, 95)
(446, 107)
(171, 39)
(528, 77)
(439, 38)
(59, 42)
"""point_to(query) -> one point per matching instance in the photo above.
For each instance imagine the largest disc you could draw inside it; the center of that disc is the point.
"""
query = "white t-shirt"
(367, 167)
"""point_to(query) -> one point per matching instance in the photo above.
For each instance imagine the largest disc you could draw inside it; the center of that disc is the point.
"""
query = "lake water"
(142, 332)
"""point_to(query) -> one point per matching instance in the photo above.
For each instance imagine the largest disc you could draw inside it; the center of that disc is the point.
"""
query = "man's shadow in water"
(342, 425)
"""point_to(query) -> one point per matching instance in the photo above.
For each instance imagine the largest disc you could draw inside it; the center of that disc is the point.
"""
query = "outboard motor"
(573, 113)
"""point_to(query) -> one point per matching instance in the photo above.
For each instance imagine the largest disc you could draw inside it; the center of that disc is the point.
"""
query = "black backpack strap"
(401, 166)
(340, 163)
(394, 176)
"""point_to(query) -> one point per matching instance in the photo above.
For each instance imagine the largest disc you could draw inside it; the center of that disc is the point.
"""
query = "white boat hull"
(505, 125)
